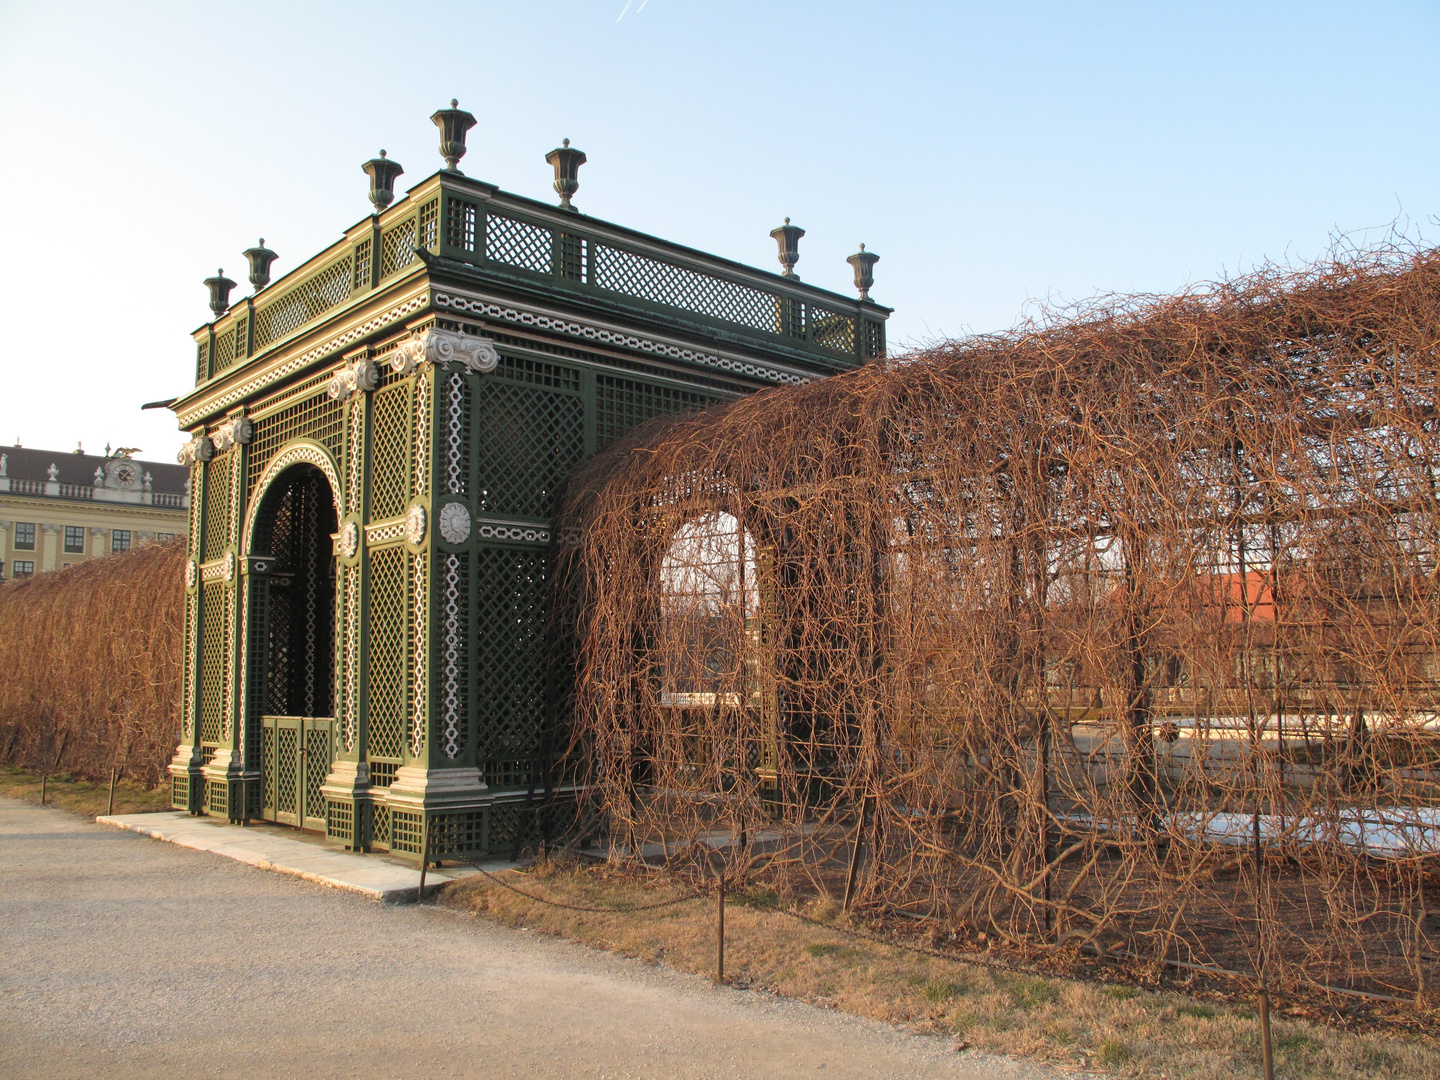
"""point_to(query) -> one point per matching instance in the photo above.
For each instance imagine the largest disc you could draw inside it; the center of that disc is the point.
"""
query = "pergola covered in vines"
(1116, 633)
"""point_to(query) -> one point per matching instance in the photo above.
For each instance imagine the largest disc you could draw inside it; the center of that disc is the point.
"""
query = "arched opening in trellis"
(709, 668)
(291, 647)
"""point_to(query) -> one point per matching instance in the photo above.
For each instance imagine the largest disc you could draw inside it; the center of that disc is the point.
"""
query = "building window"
(119, 540)
(74, 540)
(24, 536)
(22, 567)
(160, 538)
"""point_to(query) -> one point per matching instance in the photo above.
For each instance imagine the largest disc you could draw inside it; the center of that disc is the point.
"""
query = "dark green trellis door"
(297, 752)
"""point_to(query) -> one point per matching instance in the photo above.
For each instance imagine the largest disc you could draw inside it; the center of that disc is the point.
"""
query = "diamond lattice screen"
(217, 506)
(214, 662)
(518, 243)
(316, 764)
(676, 286)
(510, 652)
(390, 450)
(317, 417)
(831, 329)
(287, 769)
(622, 404)
(397, 248)
(387, 651)
(530, 440)
(293, 309)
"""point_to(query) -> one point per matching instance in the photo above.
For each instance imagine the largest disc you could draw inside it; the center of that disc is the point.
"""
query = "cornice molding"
(487, 307)
(209, 405)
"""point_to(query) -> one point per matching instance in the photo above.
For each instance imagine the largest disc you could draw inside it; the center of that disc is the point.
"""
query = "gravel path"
(127, 957)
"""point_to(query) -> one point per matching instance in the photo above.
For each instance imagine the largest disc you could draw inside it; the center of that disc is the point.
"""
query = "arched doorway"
(292, 645)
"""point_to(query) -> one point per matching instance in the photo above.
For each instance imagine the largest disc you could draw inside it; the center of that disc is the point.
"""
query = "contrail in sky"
(627, 8)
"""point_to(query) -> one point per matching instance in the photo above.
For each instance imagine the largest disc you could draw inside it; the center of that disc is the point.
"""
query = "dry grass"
(83, 796)
(1117, 1029)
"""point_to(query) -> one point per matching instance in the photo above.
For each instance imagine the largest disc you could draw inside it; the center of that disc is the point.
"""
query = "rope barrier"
(921, 950)
(578, 907)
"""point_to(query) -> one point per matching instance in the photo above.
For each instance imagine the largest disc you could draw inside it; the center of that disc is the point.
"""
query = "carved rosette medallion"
(230, 566)
(415, 525)
(192, 573)
(349, 539)
(454, 523)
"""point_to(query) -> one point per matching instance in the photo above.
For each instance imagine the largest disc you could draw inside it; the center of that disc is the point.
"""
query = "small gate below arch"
(296, 752)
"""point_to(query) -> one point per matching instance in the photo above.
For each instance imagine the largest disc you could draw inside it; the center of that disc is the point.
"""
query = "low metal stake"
(44, 782)
(424, 858)
(110, 809)
(1267, 1058)
(719, 928)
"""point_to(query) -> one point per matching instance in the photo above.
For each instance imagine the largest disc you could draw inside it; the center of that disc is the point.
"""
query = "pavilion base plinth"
(349, 816)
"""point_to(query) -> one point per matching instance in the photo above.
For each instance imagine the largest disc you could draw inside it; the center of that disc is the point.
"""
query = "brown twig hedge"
(90, 665)
(1119, 632)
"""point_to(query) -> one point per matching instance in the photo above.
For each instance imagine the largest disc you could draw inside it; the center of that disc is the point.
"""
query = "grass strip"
(81, 796)
(1122, 1030)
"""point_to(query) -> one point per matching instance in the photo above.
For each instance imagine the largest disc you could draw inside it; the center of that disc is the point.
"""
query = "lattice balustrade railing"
(519, 243)
(295, 307)
(677, 286)
(830, 329)
(397, 247)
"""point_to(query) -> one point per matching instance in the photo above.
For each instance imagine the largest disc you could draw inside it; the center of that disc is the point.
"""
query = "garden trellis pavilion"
(378, 441)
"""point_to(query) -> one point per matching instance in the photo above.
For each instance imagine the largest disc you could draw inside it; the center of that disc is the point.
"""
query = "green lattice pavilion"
(377, 443)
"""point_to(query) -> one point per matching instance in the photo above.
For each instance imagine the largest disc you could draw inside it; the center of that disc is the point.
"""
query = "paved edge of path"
(375, 877)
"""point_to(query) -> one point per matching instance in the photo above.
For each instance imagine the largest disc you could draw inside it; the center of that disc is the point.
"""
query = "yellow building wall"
(98, 519)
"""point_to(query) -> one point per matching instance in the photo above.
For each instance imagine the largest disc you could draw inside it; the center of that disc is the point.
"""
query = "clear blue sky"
(989, 153)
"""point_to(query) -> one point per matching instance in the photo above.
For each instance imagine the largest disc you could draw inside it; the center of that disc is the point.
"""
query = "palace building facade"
(377, 443)
(60, 508)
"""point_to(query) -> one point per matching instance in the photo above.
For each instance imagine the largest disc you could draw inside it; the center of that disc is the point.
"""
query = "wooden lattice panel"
(509, 647)
(317, 417)
(218, 500)
(390, 450)
(387, 652)
(831, 329)
(530, 440)
(294, 308)
(214, 662)
(622, 404)
(518, 243)
(397, 247)
(461, 217)
(679, 287)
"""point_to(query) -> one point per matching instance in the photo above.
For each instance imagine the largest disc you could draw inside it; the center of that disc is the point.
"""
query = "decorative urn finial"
(864, 263)
(567, 162)
(260, 259)
(788, 237)
(382, 172)
(219, 287)
(453, 123)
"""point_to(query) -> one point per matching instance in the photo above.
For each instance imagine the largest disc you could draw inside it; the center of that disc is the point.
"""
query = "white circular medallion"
(349, 539)
(192, 572)
(415, 525)
(230, 566)
(454, 523)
